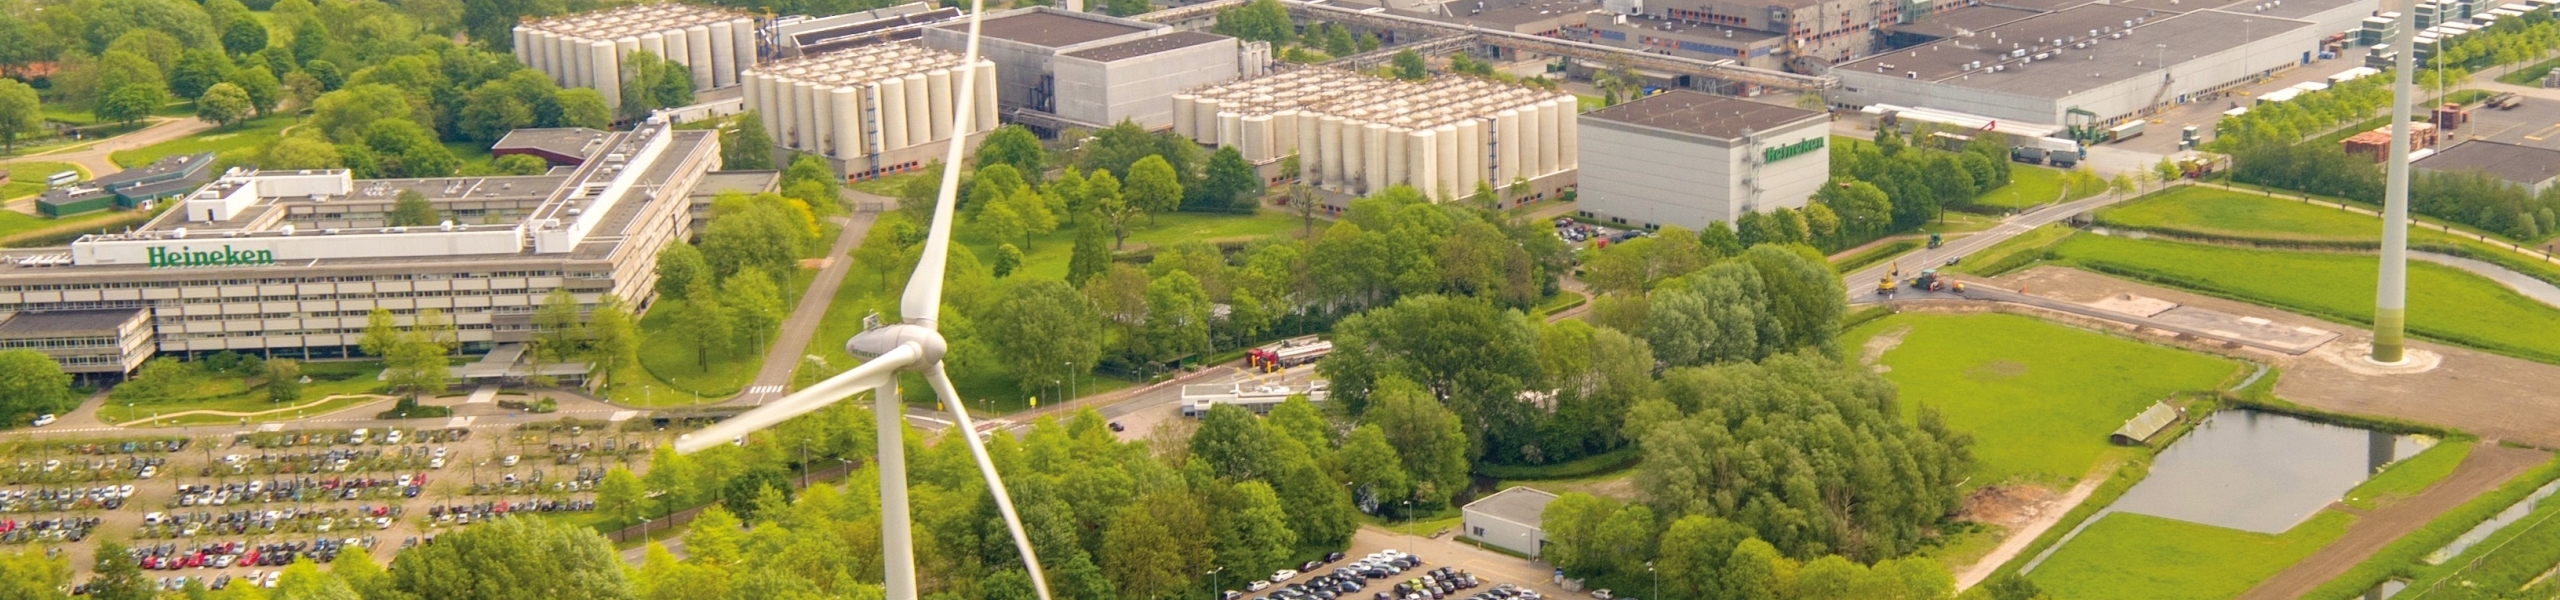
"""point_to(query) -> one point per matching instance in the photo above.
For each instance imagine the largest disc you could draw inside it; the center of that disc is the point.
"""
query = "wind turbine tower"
(2391, 296)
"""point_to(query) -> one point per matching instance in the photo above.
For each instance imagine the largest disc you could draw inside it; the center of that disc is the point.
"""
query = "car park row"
(240, 522)
(305, 489)
(54, 470)
(107, 497)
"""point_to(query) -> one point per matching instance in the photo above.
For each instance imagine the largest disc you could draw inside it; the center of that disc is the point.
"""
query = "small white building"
(1509, 519)
(1689, 159)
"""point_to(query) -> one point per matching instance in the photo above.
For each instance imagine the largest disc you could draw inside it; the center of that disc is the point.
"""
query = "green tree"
(583, 107)
(1177, 316)
(1230, 184)
(1261, 20)
(1126, 8)
(1153, 186)
(283, 380)
(704, 322)
(1692, 553)
(1251, 530)
(116, 576)
(755, 304)
(131, 104)
(613, 335)
(223, 104)
(1408, 66)
(1157, 544)
(620, 496)
(411, 209)
(20, 113)
(196, 71)
(1717, 315)
(303, 580)
(301, 152)
(519, 165)
(2166, 172)
(1803, 293)
(244, 36)
(1114, 209)
(761, 232)
(1428, 437)
(32, 384)
(679, 266)
(381, 333)
(311, 40)
(1015, 146)
(514, 559)
(417, 363)
(1044, 330)
(1235, 445)
(262, 89)
(1092, 253)
(30, 575)
(744, 145)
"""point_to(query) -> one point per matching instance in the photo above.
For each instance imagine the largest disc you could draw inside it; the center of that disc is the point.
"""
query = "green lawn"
(1048, 254)
(26, 177)
(2030, 186)
(2201, 211)
(232, 394)
(14, 222)
(2014, 252)
(255, 133)
(2409, 477)
(310, 409)
(2127, 556)
(886, 186)
(2038, 398)
(676, 376)
(2445, 303)
(1873, 255)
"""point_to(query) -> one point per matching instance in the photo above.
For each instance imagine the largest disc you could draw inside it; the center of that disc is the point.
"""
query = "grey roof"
(1971, 18)
(2187, 37)
(1506, 15)
(2294, 9)
(2521, 164)
(1701, 114)
(1519, 504)
(749, 182)
(188, 164)
(2149, 423)
(1147, 45)
(64, 322)
(565, 141)
(1040, 27)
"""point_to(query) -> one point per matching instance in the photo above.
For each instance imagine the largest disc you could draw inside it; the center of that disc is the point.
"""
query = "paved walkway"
(2489, 466)
(784, 356)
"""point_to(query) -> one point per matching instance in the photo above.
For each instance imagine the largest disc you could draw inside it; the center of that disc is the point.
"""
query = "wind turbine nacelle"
(875, 342)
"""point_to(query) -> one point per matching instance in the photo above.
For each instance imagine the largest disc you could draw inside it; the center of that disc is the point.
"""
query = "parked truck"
(2027, 154)
(2126, 130)
(2060, 152)
(1288, 353)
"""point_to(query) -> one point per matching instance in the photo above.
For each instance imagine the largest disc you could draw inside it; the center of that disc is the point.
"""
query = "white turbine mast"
(911, 345)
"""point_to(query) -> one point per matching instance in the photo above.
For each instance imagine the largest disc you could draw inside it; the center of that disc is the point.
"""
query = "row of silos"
(587, 50)
(1357, 134)
(869, 100)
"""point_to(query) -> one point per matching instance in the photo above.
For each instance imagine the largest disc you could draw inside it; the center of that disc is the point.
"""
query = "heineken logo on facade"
(1791, 150)
(226, 257)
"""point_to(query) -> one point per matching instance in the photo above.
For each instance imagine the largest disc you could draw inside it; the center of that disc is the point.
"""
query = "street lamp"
(1213, 581)
(1657, 579)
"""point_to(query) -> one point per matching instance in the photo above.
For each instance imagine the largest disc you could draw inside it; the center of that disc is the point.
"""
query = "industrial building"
(556, 146)
(1512, 519)
(131, 188)
(586, 50)
(2532, 168)
(1690, 159)
(2098, 64)
(112, 341)
(872, 109)
(1356, 134)
(289, 263)
(1061, 69)
(797, 36)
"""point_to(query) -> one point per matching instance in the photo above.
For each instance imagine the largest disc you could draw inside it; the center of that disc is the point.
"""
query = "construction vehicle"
(1288, 353)
(1933, 241)
(1884, 287)
(1929, 281)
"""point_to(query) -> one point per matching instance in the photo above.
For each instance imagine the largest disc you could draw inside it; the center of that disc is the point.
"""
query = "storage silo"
(697, 40)
(724, 64)
(1568, 134)
(1506, 147)
(893, 113)
(655, 43)
(1182, 108)
(804, 116)
(1373, 153)
(985, 72)
(1231, 130)
(919, 115)
(1310, 151)
(1205, 121)
(1398, 141)
(1284, 136)
(1549, 113)
(604, 69)
(624, 46)
(1446, 164)
(1471, 159)
(1419, 153)
(938, 99)
(521, 40)
(1329, 145)
(742, 35)
(1257, 139)
(822, 128)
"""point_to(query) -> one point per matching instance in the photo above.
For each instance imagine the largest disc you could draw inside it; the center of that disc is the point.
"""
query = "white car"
(392, 438)
(43, 420)
(1257, 586)
(510, 461)
(1283, 575)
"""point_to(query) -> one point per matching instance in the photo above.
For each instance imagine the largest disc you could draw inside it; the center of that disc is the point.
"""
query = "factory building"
(799, 36)
(1067, 69)
(1355, 134)
(1690, 159)
(2111, 61)
(586, 50)
(873, 109)
(289, 263)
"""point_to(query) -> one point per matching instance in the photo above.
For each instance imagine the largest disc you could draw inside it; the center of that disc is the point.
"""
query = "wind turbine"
(911, 345)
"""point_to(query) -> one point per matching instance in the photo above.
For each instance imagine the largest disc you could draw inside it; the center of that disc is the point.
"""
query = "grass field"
(2030, 186)
(232, 394)
(2014, 252)
(2409, 477)
(308, 409)
(254, 133)
(2127, 556)
(26, 177)
(2038, 398)
(2200, 211)
(2445, 303)
(675, 375)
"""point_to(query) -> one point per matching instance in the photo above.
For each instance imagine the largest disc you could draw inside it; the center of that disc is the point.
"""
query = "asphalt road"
(1862, 283)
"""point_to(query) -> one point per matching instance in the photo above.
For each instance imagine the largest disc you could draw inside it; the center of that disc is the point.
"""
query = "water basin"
(2261, 472)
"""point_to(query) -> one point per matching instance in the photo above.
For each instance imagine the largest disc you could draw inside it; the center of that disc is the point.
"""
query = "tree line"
(730, 287)
(2472, 198)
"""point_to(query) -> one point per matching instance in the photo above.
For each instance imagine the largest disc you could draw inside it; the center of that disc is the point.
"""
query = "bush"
(1587, 466)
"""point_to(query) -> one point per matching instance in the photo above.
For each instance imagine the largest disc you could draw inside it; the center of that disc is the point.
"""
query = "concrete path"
(2489, 466)
(785, 354)
(94, 156)
(2539, 290)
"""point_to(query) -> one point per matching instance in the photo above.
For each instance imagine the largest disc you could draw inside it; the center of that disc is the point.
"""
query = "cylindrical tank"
(538, 53)
(785, 113)
(919, 116)
(743, 36)
(1373, 152)
(893, 114)
(1419, 151)
(1445, 164)
(574, 63)
(822, 125)
(625, 45)
(1470, 157)
(1231, 130)
(804, 117)
(1568, 134)
(1399, 142)
(937, 85)
(772, 105)
(870, 125)
(1506, 148)
(724, 64)
(1355, 156)
(655, 44)
(1284, 133)
(1310, 157)
(605, 70)
(1257, 139)
(1205, 122)
(986, 96)
(523, 56)
(1329, 148)
(1549, 113)
(697, 53)
(1183, 105)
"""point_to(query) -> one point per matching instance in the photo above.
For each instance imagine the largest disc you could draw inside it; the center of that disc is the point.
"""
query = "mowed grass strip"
(2227, 213)
(2445, 304)
(2126, 556)
(2038, 398)
(2410, 477)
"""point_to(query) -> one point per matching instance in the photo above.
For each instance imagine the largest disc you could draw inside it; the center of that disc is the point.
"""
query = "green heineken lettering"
(1791, 150)
(226, 257)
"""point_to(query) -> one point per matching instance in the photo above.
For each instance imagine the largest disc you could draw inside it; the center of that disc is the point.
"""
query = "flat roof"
(1503, 14)
(1147, 45)
(1041, 27)
(1711, 34)
(2289, 9)
(1702, 114)
(1519, 504)
(749, 182)
(2109, 59)
(181, 163)
(1971, 18)
(23, 325)
(2520, 164)
(564, 141)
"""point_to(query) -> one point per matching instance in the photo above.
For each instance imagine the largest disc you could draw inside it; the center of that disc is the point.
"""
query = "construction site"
(1355, 134)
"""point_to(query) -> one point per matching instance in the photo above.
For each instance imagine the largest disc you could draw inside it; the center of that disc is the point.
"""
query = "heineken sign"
(183, 256)
(1791, 150)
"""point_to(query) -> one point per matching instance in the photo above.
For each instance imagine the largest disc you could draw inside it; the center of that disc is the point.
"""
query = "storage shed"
(2144, 426)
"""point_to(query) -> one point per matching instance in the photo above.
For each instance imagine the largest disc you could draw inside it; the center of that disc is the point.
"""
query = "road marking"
(622, 415)
(2545, 132)
(271, 427)
(764, 390)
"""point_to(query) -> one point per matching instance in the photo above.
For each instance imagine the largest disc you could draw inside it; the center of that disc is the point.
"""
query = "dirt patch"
(2007, 506)
(1995, 371)
(1880, 344)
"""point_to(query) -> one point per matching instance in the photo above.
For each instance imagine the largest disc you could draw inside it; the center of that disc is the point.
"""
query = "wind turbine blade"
(1004, 501)
(834, 389)
(922, 303)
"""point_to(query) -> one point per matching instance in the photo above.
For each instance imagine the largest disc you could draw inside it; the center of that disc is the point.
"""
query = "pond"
(2261, 472)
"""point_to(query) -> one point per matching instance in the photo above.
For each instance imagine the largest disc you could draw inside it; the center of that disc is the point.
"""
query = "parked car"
(43, 420)
(1283, 575)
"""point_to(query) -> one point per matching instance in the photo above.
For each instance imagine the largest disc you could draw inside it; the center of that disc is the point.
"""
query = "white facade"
(1355, 134)
(1680, 159)
(587, 50)
(873, 107)
(1512, 519)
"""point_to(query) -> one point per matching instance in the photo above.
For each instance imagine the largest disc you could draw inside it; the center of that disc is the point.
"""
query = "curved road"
(1862, 283)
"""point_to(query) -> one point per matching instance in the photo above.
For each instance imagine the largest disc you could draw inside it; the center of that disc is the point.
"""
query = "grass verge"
(2409, 477)
(2016, 252)
(2230, 216)
(232, 394)
(2132, 556)
(2030, 186)
(2402, 559)
(1872, 255)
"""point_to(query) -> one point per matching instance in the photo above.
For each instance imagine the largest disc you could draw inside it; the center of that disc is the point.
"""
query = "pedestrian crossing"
(762, 391)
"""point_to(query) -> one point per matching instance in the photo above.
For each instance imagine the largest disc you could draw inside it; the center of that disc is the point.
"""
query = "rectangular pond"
(2261, 472)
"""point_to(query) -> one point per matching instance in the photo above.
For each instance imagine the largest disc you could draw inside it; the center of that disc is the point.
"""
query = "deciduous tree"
(31, 384)
(514, 559)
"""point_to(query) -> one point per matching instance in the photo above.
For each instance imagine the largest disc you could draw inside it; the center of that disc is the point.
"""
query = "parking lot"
(1384, 574)
(1491, 570)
